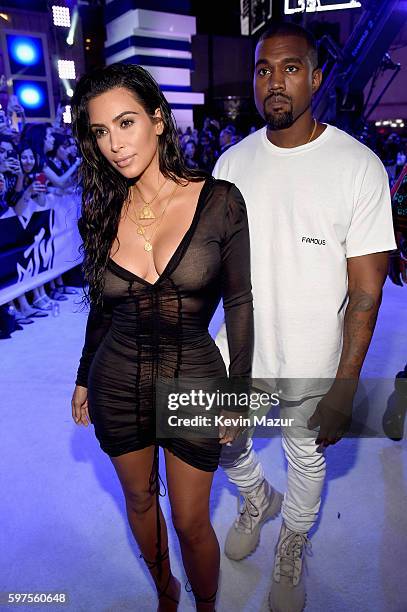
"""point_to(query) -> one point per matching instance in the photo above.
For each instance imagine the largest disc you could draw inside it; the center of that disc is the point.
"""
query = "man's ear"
(159, 123)
(316, 79)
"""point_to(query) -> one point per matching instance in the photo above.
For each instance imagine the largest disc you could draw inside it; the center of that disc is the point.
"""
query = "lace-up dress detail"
(147, 332)
(151, 331)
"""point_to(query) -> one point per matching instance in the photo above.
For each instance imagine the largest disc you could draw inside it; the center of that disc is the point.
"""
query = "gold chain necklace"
(140, 228)
(313, 131)
(146, 211)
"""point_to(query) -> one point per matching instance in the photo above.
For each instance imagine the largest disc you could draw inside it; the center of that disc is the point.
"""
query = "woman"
(162, 244)
(58, 156)
(190, 154)
(41, 139)
(34, 189)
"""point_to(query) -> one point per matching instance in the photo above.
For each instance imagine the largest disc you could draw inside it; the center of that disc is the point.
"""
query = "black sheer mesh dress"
(147, 332)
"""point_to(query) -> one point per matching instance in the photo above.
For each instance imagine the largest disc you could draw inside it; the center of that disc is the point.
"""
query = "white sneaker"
(288, 592)
(259, 505)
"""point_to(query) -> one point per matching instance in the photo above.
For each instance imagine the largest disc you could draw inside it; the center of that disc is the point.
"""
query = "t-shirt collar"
(296, 150)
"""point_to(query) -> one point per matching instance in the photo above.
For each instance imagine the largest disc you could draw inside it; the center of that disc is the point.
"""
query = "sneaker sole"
(302, 609)
(272, 513)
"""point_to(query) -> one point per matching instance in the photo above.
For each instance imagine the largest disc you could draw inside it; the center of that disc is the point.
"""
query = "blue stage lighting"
(33, 96)
(25, 50)
(30, 97)
(26, 55)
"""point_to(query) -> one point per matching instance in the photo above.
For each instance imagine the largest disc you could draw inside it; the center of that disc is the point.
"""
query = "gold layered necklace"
(141, 229)
(146, 212)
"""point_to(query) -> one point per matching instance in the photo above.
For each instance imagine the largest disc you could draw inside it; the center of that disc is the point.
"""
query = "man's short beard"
(282, 121)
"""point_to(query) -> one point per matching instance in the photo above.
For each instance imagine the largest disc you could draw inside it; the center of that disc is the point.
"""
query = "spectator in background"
(207, 158)
(58, 157)
(11, 170)
(400, 161)
(42, 141)
(3, 204)
(72, 151)
(34, 188)
(226, 138)
(190, 156)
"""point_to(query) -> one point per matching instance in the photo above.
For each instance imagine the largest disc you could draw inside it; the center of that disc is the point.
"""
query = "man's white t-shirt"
(309, 209)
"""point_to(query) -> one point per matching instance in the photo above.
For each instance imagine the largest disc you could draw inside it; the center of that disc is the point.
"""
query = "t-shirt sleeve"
(236, 289)
(371, 228)
(98, 324)
(220, 170)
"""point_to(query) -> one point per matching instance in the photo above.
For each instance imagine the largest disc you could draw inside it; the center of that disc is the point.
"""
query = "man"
(320, 228)
(226, 138)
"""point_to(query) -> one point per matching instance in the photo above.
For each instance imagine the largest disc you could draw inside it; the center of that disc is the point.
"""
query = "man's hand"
(13, 166)
(333, 414)
(397, 269)
(229, 433)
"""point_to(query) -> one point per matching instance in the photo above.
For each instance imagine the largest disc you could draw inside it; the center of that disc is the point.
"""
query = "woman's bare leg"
(189, 492)
(133, 470)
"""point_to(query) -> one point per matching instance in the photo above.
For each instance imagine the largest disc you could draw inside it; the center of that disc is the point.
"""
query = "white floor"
(63, 526)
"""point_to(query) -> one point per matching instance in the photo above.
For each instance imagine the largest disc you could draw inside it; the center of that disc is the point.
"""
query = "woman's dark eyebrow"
(115, 119)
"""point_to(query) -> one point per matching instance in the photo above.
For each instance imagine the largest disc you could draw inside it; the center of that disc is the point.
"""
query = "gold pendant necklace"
(142, 227)
(146, 211)
(148, 246)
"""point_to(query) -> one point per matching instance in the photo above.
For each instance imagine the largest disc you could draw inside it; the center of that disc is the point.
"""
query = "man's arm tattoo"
(360, 320)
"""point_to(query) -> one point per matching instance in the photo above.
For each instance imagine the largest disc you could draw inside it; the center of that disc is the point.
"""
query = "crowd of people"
(390, 145)
(41, 158)
(202, 148)
(36, 159)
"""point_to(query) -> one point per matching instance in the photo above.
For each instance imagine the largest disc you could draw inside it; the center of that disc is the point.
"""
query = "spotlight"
(67, 114)
(68, 88)
(66, 69)
(399, 120)
(74, 21)
(61, 16)
(378, 123)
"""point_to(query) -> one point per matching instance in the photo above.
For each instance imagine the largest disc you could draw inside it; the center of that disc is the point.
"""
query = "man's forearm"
(360, 320)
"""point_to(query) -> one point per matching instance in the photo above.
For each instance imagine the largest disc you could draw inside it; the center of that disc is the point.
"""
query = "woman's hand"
(79, 405)
(38, 187)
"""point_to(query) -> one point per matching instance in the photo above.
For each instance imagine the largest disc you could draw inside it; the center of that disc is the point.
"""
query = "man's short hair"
(292, 29)
(6, 138)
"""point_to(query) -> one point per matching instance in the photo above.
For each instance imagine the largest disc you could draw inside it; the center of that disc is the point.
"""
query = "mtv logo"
(313, 6)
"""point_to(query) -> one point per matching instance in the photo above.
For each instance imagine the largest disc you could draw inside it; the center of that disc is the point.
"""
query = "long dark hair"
(34, 136)
(29, 176)
(104, 189)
